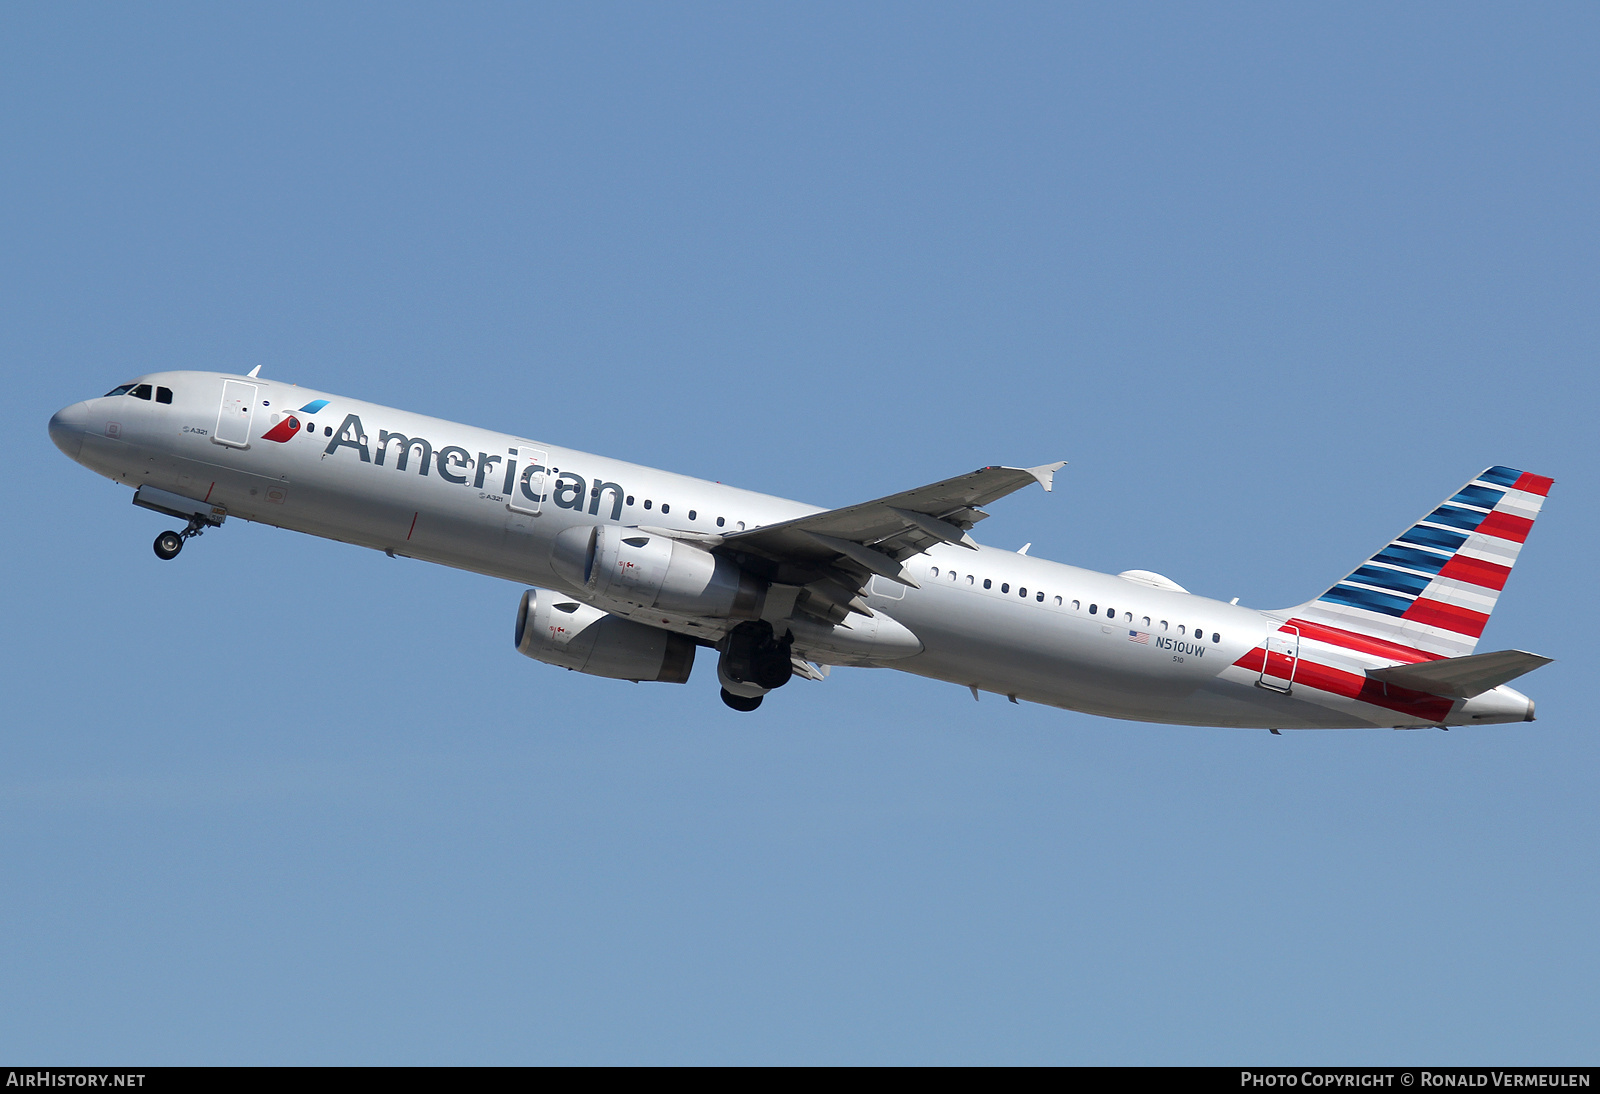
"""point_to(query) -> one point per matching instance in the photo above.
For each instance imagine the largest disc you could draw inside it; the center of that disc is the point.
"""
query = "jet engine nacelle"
(656, 571)
(559, 631)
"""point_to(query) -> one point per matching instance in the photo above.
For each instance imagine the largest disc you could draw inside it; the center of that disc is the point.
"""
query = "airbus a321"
(631, 571)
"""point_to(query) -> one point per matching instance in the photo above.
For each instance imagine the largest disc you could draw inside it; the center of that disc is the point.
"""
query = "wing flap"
(834, 553)
(898, 526)
(1461, 677)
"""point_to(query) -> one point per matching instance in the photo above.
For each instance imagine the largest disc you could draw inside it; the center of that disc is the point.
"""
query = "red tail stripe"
(1358, 686)
(1353, 685)
(1448, 616)
(1506, 526)
(1362, 643)
(1475, 571)
(1534, 484)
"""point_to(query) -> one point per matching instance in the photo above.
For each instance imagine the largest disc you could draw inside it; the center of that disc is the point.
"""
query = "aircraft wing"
(1462, 677)
(849, 545)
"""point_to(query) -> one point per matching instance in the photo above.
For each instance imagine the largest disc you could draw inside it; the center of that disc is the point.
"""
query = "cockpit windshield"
(141, 391)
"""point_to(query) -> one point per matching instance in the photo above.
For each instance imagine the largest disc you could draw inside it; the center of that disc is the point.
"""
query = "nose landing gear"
(168, 544)
(200, 515)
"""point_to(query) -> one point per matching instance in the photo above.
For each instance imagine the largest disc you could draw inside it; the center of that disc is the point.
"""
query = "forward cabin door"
(1283, 657)
(526, 493)
(235, 415)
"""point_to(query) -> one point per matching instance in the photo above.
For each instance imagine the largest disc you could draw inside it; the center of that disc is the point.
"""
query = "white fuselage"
(455, 504)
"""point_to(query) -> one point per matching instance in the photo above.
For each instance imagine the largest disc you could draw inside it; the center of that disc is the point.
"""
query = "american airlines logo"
(287, 428)
(521, 483)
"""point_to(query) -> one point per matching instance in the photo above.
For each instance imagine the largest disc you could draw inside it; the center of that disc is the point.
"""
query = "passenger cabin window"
(1163, 624)
(1005, 586)
(987, 583)
(1093, 608)
(1180, 629)
(721, 521)
(630, 500)
(969, 579)
(1215, 637)
(1040, 598)
(1077, 605)
(933, 571)
(647, 503)
(141, 392)
(1127, 617)
(1022, 592)
(1058, 602)
(164, 395)
(665, 508)
(952, 575)
(691, 514)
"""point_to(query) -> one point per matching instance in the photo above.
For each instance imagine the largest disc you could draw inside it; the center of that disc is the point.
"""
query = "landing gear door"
(1283, 658)
(527, 492)
(235, 415)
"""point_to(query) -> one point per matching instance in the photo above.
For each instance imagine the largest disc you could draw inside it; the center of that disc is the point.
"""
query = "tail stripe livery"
(1356, 685)
(1428, 594)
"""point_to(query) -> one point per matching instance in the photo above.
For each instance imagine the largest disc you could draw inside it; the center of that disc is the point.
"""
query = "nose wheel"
(168, 544)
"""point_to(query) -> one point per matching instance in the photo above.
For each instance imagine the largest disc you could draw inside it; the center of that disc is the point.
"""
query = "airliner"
(629, 572)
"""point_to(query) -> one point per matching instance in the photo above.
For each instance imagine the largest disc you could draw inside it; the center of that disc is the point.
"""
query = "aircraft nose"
(66, 428)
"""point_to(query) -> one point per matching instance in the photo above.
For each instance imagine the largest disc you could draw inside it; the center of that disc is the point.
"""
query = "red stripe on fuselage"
(1534, 484)
(1450, 617)
(1362, 643)
(1475, 571)
(1352, 685)
(1506, 526)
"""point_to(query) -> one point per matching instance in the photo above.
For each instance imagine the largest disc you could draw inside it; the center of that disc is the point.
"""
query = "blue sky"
(1273, 278)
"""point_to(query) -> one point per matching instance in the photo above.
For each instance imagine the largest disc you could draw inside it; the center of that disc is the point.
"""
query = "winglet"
(253, 373)
(1045, 473)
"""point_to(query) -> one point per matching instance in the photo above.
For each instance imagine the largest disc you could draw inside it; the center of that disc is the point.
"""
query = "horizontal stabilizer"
(1461, 677)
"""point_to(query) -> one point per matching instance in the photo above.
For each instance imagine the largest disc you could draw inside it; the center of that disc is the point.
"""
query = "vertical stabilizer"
(1429, 592)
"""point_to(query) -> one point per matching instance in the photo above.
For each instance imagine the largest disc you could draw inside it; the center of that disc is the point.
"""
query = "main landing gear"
(168, 544)
(754, 661)
(740, 702)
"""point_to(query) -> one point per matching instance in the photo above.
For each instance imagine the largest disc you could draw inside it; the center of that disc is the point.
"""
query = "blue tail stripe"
(1366, 598)
(1501, 476)
(1456, 517)
(1411, 558)
(1480, 496)
(1434, 537)
(1385, 578)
